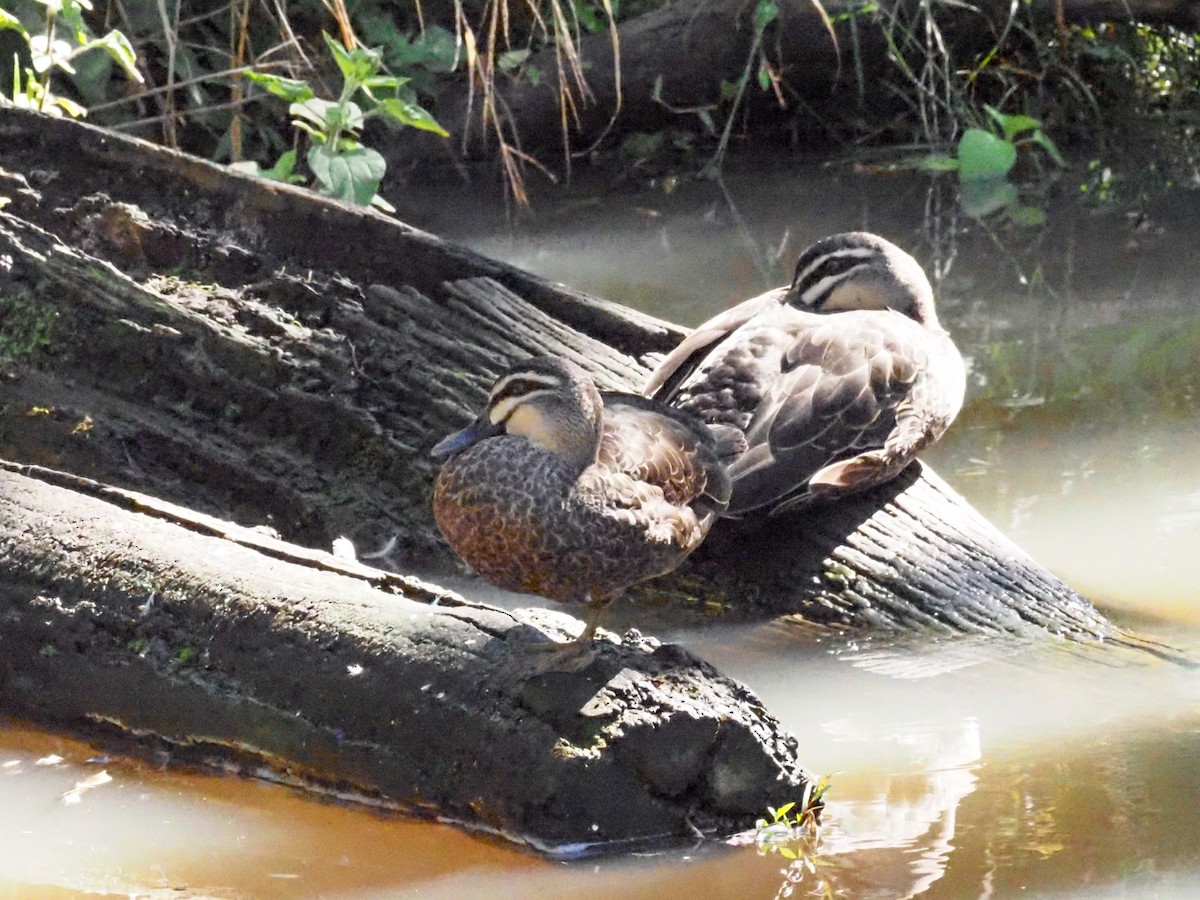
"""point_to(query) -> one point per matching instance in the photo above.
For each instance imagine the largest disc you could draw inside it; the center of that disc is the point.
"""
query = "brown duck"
(835, 382)
(560, 491)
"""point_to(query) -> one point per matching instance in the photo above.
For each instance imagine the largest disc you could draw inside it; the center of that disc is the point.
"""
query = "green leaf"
(1042, 140)
(937, 162)
(290, 89)
(315, 111)
(284, 169)
(764, 78)
(410, 114)
(357, 65)
(728, 90)
(390, 82)
(353, 176)
(511, 60)
(982, 197)
(766, 12)
(118, 47)
(10, 22)
(69, 106)
(1026, 216)
(382, 205)
(1013, 125)
(534, 74)
(983, 156)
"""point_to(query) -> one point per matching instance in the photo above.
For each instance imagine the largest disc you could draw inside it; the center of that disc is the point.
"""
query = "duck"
(558, 490)
(834, 382)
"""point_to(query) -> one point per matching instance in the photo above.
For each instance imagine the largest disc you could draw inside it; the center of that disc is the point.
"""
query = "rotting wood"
(216, 652)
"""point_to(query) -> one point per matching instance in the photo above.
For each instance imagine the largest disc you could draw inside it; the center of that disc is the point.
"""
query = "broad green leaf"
(47, 54)
(290, 89)
(764, 78)
(357, 65)
(1026, 216)
(410, 114)
(982, 156)
(352, 176)
(316, 111)
(511, 60)
(982, 197)
(284, 169)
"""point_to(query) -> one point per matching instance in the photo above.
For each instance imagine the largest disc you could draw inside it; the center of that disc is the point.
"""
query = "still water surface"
(964, 769)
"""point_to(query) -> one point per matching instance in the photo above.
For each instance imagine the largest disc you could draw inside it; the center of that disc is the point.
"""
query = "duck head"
(550, 402)
(858, 270)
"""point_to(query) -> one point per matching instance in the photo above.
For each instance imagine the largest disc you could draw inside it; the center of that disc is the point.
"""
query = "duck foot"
(572, 656)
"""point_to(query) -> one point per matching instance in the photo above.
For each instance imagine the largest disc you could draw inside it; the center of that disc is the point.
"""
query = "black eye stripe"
(520, 387)
(809, 272)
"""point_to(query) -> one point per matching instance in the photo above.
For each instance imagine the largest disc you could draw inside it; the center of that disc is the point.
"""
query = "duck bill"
(477, 431)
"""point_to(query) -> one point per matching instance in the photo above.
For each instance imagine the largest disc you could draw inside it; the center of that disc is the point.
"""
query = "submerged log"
(139, 626)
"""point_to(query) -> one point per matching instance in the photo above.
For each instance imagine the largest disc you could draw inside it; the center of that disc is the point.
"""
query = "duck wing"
(856, 395)
(665, 448)
(681, 363)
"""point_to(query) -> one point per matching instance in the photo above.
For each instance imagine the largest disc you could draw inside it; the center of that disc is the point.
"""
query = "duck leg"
(579, 652)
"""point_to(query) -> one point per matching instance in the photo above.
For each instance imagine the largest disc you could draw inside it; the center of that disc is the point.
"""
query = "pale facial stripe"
(527, 384)
(844, 253)
(823, 287)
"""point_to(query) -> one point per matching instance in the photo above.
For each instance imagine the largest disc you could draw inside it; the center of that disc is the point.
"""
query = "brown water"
(964, 769)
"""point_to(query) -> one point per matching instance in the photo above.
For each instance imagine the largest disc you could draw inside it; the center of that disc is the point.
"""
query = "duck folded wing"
(681, 363)
(666, 449)
(844, 385)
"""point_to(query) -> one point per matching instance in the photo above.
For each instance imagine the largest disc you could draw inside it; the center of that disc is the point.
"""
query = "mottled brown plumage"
(835, 383)
(557, 491)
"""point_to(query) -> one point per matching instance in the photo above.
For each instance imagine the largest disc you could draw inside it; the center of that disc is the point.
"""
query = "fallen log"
(303, 387)
(134, 626)
(262, 355)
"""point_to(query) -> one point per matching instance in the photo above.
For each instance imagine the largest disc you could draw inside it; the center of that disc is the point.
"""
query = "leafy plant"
(796, 837)
(49, 51)
(985, 159)
(340, 164)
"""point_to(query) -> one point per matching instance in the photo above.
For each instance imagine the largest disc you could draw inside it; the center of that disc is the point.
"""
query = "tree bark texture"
(689, 48)
(212, 649)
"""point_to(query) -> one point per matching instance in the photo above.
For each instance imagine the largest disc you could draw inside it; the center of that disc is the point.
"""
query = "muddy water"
(968, 768)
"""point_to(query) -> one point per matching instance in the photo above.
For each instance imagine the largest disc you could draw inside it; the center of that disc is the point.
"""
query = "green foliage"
(340, 164)
(50, 51)
(25, 328)
(985, 159)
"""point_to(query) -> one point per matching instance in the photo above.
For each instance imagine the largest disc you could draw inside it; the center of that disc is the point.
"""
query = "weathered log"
(298, 392)
(688, 49)
(139, 626)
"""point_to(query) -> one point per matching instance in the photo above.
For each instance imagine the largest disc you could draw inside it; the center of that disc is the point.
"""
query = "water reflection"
(969, 767)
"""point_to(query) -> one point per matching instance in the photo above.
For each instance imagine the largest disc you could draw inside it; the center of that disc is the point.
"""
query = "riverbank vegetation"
(641, 86)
